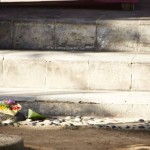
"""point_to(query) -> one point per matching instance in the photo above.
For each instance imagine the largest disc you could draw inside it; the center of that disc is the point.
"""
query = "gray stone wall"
(108, 35)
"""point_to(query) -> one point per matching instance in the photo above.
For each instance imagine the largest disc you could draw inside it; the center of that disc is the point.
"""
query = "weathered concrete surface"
(81, 102)
(48, 28)
(66, 75)
(144, 37)
(75, 37)
(68, 70)
(104, 75)
(24, 73)
(6, 34)
(33, 35)
(141, 72)
(11, 142)
(101, 110)
(118, 35)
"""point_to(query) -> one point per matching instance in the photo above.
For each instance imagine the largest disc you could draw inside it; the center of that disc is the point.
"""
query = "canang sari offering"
(9, 107)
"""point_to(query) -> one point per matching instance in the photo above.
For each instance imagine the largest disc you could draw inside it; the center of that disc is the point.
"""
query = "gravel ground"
(84, 121)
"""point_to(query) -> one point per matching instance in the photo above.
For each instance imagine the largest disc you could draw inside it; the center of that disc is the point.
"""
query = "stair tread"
(77, 96)
(76, 56)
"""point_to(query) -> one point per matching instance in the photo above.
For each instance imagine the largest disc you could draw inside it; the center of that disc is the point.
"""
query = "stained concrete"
(12, 142)
(49, 28)
(75, 71)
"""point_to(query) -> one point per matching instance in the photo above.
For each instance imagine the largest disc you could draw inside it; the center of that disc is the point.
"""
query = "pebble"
(7, 122)
(42, 124)
(141, 120)
(77, 119)
(68, 118)
(114, 127)
(141, 127)
(61, 120)
(57, 122)
(33, 123)
(29, 120)
(127, 127)
(47, 122)
(90, 121)
(97, 121)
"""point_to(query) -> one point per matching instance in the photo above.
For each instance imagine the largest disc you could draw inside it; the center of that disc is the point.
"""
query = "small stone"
(91, 121)
(91, 118)
(15, 124)
(33, 124)
(114, 127)
(127, 127)
(57, 122)
(97, 121)
(141, 120)
(68, 118)
(29, 120)
(61, 120)
(141, 127)
(107, 127)
(77, 119)
(47, 122)
(7, 122)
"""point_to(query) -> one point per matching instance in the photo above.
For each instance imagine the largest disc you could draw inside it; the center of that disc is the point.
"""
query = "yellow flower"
(2, 107)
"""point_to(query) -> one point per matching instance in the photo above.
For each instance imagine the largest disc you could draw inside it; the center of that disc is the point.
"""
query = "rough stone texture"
(113, 35)
(67, 75)
(75, 36)
(24, 73)
(33, 35)
(103, 75)
(6, 35)
(140, 77)
(101, 110)
(12, 142)
(144, 41)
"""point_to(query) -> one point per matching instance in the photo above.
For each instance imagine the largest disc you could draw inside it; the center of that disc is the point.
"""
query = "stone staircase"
(76, 61)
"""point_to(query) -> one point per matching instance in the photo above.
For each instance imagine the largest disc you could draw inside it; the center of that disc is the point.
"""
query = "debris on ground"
(34, 115)
(9, 107)
(9, 112)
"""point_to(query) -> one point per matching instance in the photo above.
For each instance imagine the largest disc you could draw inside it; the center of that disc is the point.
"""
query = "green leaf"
(34, 115)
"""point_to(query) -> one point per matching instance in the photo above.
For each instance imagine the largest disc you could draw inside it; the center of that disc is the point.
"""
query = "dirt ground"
(81, 139)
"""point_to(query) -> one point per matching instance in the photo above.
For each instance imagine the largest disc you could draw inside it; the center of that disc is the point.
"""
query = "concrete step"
(46, 28)
(75, 71)
(81, 102)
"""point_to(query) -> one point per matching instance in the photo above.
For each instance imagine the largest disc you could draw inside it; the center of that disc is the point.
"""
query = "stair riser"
(101, 110)
(74, 73)
(79, 35)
